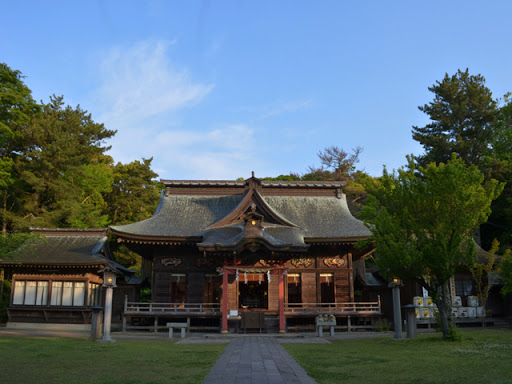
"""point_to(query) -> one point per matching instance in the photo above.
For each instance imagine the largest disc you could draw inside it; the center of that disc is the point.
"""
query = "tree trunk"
(445, 309)
(4, 219)
(1, 284)
(483, 303)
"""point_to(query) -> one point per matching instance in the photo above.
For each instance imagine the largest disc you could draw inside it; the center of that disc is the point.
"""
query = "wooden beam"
(281, 302)
(225, 302)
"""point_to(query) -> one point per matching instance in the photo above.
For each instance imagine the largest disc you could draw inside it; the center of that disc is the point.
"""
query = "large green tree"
(17, 108)
(66, 173)
(135, 192)
(499, 166)
(134, 197)
(463, 118)
(423, 219)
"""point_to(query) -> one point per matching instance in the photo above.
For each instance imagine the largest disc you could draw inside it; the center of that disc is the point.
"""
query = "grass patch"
(482, 356)
(56, 360)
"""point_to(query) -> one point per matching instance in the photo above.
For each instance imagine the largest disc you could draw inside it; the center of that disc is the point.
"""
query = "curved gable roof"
(188, 216)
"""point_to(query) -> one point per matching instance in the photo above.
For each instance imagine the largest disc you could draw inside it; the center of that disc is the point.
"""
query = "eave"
(334, 240)
(32, 264)
(123, 237)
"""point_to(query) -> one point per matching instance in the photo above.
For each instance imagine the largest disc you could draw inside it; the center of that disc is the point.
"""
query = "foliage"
(54, 170)
(145, 295)
(290, 177)
(134, 197)
(480, 357)
(499, 166)
(382, 325)
(16, 109)
(505, 270)
(135, 193)
(481, 270)
(60, 360)
(337, 165)
(10, 243)
(463, 116)
(66, 172)
(422, 220)
(128, 258)
(454, 333)
(5, 294)
(466, 120)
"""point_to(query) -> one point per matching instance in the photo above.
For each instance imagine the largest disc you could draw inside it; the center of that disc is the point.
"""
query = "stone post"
(107, 319)
(397, 313)
(96, 323)
(411, 321)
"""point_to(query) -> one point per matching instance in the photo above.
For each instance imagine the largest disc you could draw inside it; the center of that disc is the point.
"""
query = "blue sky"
(217, 89)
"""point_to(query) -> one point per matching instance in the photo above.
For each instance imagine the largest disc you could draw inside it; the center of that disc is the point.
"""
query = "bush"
(454, 333)
(4, 301)
(382, 325)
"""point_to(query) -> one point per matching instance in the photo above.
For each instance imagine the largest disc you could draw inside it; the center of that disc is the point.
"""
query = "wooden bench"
(181, 326)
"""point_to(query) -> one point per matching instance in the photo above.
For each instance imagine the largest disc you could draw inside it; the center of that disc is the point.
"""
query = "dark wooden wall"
(170, 260)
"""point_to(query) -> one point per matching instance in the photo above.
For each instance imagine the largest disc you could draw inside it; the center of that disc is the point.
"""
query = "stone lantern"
(109, 282)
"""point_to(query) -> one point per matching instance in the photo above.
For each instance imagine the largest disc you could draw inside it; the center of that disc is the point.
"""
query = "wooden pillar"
(225, 302)
(281, 301)
(351, 277)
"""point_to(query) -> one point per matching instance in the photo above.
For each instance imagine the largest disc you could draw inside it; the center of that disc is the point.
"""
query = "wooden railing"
(170, 308)
(184, 308)
(334, 308)
(213, 310)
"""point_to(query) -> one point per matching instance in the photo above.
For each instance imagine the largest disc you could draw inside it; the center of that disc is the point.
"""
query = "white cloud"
(277, 108)
(142, 94)
(139, 82)
(285, 107)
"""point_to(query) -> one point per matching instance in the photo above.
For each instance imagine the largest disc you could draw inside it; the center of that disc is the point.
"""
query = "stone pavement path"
(258, 360)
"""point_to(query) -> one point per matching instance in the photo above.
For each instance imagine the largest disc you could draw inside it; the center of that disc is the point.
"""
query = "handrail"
(358, 307)
(140, 307)
(346, 307)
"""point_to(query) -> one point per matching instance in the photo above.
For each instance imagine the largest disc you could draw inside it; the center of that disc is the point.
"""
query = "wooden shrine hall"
(280, 252)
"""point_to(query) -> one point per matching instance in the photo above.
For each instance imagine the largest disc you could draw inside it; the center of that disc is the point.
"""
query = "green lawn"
(53, 360)
(483, 356)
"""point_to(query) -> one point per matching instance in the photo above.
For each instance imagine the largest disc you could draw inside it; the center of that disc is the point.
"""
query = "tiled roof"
(66, 247)
(181, 216)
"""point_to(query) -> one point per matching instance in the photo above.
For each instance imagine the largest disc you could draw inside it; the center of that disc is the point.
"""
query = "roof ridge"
(266, 183)
(39, 229)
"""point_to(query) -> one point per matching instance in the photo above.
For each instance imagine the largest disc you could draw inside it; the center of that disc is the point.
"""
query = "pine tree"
(463, 118)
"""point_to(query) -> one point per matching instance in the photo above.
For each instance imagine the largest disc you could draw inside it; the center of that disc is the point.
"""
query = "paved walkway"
(258, 360)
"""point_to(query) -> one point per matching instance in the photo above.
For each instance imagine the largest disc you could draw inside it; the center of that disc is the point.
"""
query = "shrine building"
(272, 253)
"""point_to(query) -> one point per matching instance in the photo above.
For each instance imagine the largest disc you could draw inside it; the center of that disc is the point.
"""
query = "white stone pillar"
(107, 319)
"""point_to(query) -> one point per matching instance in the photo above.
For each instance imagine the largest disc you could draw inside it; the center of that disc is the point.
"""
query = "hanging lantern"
(268, 276)
(259, 279)
(245, 277)
(236, 277)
